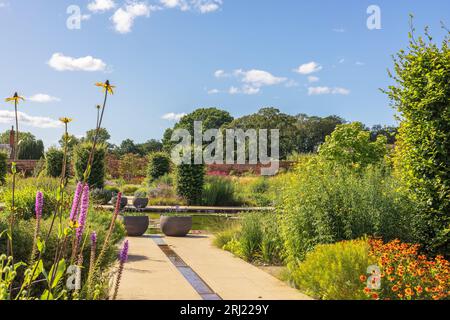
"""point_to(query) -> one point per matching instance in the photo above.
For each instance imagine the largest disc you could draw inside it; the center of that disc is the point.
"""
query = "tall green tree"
(421, 96)
(350, 144)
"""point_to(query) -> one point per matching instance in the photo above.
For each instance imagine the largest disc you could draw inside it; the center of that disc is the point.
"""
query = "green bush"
(130, 189)
(54, 163)
(332, 271)
(218, 191)
(113, 189)
(256, 238)
(25, 196)
(158, 165)
(96, 178)
(31, 149)
(421, 95)
(3, 167)
(189, 180)
(101, 196)
(140, 193)
(326, 203)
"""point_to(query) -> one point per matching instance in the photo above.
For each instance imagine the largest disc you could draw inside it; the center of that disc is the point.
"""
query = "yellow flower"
(106, 86)
(65, 120)
(15, 98)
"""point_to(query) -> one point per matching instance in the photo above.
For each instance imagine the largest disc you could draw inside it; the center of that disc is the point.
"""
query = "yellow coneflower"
(15, 98)
(106, 86)
(65, 120)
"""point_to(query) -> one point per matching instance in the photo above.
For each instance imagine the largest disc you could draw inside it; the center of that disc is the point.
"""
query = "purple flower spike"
(93, 238)
(39, 204)
(76, 199)
(83, 212)
(123, 254)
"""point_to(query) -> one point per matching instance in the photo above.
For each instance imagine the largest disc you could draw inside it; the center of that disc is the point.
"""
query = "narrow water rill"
(199, 285)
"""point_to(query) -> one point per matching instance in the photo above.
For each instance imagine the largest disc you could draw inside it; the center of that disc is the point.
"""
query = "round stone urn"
(136, 226)
(140, 203)
(175, 226)
(123, 202)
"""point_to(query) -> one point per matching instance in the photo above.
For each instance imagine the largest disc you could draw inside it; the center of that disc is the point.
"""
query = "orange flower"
(395, 288)
(409, 292)
(366, 290)
(419, 289)
(375, 296)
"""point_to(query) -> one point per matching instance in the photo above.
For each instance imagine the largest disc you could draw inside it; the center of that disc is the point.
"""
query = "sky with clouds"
(169, 57)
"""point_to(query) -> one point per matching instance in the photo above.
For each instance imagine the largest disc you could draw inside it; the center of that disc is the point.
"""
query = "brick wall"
(25, 166)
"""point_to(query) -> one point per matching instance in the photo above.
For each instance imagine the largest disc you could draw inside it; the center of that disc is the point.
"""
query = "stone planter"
(140, 203)
(173, 226)
(123, 202)
(136, 226)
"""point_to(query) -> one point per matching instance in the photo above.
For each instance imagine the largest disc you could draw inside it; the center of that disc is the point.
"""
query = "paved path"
(230, 277)
(149, 275)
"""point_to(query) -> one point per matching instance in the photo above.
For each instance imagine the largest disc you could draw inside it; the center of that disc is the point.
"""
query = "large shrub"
(218, 191)
(189, 181)
(158, 165)
(332, 271)
(351, 144)
(97, 175)
(31, 149)
(3, 167)
(54, 163)
(421, 95)
(326, 203)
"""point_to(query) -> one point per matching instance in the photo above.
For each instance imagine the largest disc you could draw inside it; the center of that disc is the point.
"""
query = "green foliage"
(130, 189)
(421, 96)
(158, 165)
(256, 238)
(113, 189)
(332, 271)
(3, 167)
(218, 191)
(189, 182)
(326, 203)
(54, 163)
(97, 173)
(25, 196)
(31, 149)
(140, 193)
(101, 196)
(351, 144)
(130, 167)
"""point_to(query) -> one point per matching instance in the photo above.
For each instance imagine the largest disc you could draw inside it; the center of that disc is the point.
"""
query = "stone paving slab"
(149, 275)
(229, 276)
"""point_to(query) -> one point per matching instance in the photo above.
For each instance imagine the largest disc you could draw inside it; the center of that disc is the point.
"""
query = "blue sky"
(169, 57)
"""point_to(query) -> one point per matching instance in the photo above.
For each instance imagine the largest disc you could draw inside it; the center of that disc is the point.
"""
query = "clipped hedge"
(54, 163)
(3, 167)
(190, 179)
(158, 165)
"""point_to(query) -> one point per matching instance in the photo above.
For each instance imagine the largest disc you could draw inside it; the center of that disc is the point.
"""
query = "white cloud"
(4, 4)
(221, 74)
(60, 62)
(291, 84)
(101, 5)
(312, 79)
(339, 30)
(259, 78)
(7, 117)
(202, 6)
(359, 63)
(246, 89)
(43, 98)
(124, 17)
(213, 91)
(314, 91)
(308, 68)
(173, 116)
(342, 60)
